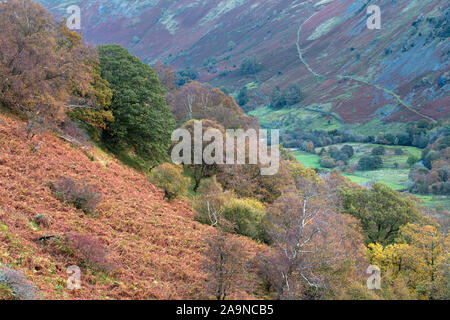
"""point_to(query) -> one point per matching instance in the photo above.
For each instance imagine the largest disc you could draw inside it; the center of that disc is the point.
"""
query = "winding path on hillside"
(377, 86)
(390, 92)
(299, 49)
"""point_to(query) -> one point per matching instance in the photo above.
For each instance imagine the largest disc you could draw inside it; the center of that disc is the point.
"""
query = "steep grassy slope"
(156, 247)
(398, 73)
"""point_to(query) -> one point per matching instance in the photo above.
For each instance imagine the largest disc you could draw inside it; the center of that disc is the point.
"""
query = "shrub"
(399, 152)
(327, 162)
(91, 250)
(185, 76)
(370, 163)
(412, 160)
(379, 151)
(243, 97)
(170, 178)
(42, 220)
(82, 197)
(247, 215)
(14, 285)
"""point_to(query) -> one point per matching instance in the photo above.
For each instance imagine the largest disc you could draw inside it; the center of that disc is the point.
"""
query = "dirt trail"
(299, 49)
(396, 96)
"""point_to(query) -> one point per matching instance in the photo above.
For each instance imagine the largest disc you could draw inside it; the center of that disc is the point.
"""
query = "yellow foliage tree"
(420, 254)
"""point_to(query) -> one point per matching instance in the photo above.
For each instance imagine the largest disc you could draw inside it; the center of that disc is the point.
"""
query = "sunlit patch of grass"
(251, 86)
(394, 178)
(308, 159)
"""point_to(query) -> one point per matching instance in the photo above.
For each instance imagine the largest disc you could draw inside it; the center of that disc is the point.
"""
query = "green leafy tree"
(293, 94)
(370, 163)
(142, 121)
(243, 97)
(379, 151)
(381, 210)
(277, 98)
(348, 150)
(412, 160)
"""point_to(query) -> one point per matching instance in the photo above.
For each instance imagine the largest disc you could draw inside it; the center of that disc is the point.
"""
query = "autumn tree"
(167, 76)
(224, 264)
(420, 255)
(248, 216)
(247, 181)
(210, 202)
(201, 101)
(202, 170)
(93, 108)
(309, 240)
(40, 62)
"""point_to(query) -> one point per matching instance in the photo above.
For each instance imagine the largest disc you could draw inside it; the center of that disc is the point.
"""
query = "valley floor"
(393, 177)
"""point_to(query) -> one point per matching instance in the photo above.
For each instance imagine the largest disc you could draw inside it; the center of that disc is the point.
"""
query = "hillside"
(147, 239)
(398, 73)
(100, 198)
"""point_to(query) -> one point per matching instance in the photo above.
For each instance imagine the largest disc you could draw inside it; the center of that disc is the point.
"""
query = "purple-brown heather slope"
(399, 73)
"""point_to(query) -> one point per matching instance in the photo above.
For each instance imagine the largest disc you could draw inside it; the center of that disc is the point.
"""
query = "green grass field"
(394, 177)
(308, 159)
(435, 201)
(389, 159)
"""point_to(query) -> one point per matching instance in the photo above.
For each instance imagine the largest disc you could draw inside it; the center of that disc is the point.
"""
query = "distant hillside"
(398, 73)
(156, 247)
